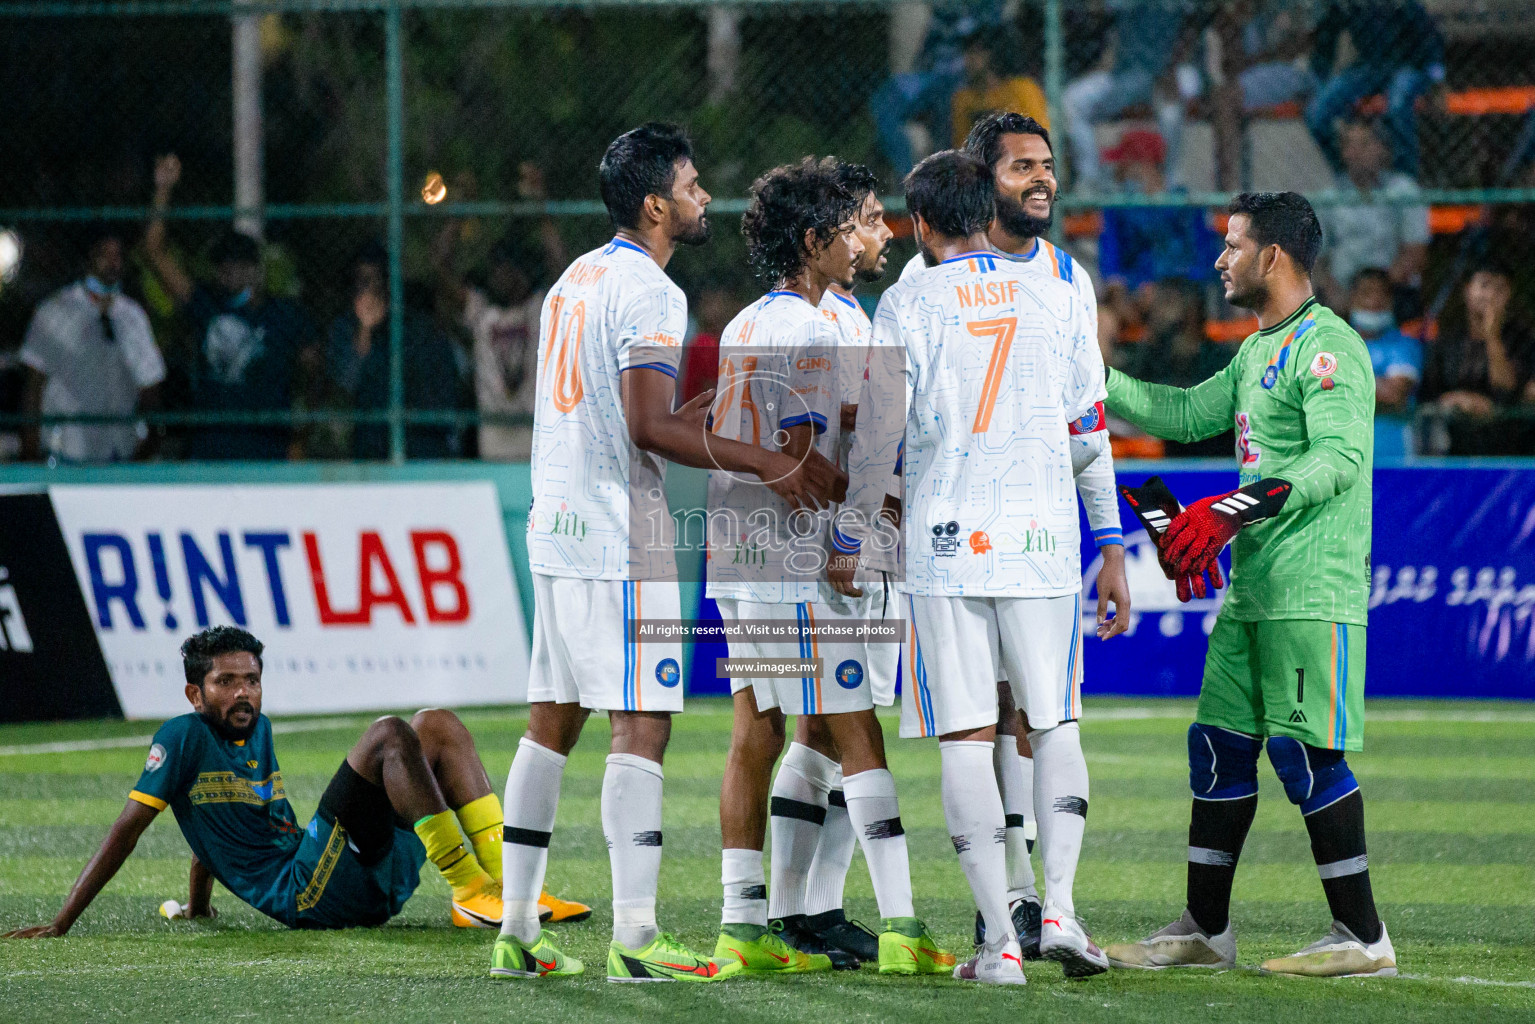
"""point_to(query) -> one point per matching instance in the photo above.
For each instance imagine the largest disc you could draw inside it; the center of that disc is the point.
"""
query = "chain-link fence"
(416, 170)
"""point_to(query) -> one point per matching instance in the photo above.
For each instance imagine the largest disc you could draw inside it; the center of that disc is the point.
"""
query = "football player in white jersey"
(779, 389)
(813, 849)
(600, 546)
(1017, 149)
(998, 360)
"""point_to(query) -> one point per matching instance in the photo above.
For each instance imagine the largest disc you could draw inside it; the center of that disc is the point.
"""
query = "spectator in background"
(89, 350)
(358, 361)
(1396, 358)
(1142, 244)
(1261, 42)
(991, 84)
(1150, 41)
(249, 344)
(1399, 51)
(701, 354)
(1482, 362)
(502, 318)
(1369, 233)
(926, 92)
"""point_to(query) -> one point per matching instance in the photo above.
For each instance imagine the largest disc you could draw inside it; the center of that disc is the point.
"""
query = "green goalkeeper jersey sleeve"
(1301, 397)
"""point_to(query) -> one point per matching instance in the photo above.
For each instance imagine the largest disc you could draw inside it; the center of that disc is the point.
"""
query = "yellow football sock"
(482, 822)
(445, 848)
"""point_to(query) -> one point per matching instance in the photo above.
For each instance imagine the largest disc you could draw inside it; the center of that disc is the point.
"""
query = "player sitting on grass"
(385, 812)
(1286, 656)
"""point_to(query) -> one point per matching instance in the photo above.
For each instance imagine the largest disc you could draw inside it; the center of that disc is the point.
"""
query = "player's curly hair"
(199, 650)
(859, 180)
(786, 203)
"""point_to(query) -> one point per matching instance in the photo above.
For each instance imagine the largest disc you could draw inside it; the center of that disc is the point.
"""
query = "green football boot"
(907, 947)
(514, 959)
(753, 949)
(663, 959)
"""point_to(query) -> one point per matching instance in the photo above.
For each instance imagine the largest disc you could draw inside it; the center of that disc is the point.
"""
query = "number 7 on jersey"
(1001, 331)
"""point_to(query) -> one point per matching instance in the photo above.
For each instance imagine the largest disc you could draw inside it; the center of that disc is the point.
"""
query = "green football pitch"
(1450, 803)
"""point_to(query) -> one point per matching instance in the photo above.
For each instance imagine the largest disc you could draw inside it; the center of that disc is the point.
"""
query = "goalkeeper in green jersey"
(1286, 657)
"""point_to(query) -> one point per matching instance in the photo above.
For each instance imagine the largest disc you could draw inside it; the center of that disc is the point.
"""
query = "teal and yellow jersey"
(1301, 397)
(229, 801)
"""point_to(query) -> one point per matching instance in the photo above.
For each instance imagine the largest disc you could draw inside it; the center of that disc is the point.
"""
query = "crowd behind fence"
(310, 229)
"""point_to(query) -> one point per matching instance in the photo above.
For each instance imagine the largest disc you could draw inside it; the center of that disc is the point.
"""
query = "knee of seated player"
(1223, 765)
(1313, 777)
(641, 733)
(439, 728)
(389, 736)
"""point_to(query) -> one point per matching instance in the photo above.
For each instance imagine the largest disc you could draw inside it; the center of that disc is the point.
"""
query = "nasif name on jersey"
(778, 369)
(599, 508)
(1044, 259)
(998, 359)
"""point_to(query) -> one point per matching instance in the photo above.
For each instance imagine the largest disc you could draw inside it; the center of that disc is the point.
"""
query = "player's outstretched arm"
(115, 849)
(681, 436)
(200, 891)
(1175, 414)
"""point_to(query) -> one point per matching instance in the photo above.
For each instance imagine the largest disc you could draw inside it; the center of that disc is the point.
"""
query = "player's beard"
(1018, 222)
(696, 233)
(221, 725)
(1254, 296)
(873, 272)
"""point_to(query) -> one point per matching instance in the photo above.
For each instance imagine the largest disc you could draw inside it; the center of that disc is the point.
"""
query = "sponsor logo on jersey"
(813, 363)
(1037, 540)
(1298, 717)
(1249, 452)
(1270, 376)
(155, 759)
(566, 523)
(979, 543)
(945, 539)
(1324, 365)
(668, 674)
(849, 674)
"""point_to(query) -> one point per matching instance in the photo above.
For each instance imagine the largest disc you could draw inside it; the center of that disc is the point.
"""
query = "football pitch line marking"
(110, 743)
(1464, 980)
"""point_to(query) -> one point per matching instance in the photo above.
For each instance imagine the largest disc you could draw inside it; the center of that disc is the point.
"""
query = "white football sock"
(876, 818)
(532, 795)
(1017, 805)
(745, 887)
(1060, 796)
(833, 855)
(631, 820)
(972, 807)
(797, 811)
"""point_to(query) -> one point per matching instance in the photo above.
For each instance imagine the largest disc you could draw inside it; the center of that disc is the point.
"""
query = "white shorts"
(959, 647)
(844, 683)
(883, 659)
(582, 653)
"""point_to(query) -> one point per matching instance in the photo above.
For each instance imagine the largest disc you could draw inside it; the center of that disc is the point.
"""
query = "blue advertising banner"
(1452, 601)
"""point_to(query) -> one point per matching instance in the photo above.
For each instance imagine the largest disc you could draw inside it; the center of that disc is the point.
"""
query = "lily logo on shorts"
(849, 675)
(667, 673)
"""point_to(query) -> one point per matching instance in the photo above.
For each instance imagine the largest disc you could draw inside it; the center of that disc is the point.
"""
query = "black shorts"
(364, 810)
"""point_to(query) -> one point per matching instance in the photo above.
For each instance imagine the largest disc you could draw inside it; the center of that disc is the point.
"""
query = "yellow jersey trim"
(148, 801)
(322, 870)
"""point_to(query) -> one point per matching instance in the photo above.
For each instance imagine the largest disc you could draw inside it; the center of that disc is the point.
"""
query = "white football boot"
(1181, 944)
(1339, 954)
(1063, 939)
(1001, 964)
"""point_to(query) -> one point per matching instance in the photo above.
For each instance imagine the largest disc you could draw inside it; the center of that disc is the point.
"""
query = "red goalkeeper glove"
(1195, 537)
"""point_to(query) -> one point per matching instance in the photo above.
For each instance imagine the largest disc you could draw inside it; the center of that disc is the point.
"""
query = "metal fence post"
(1055, 84)
(394, 88)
